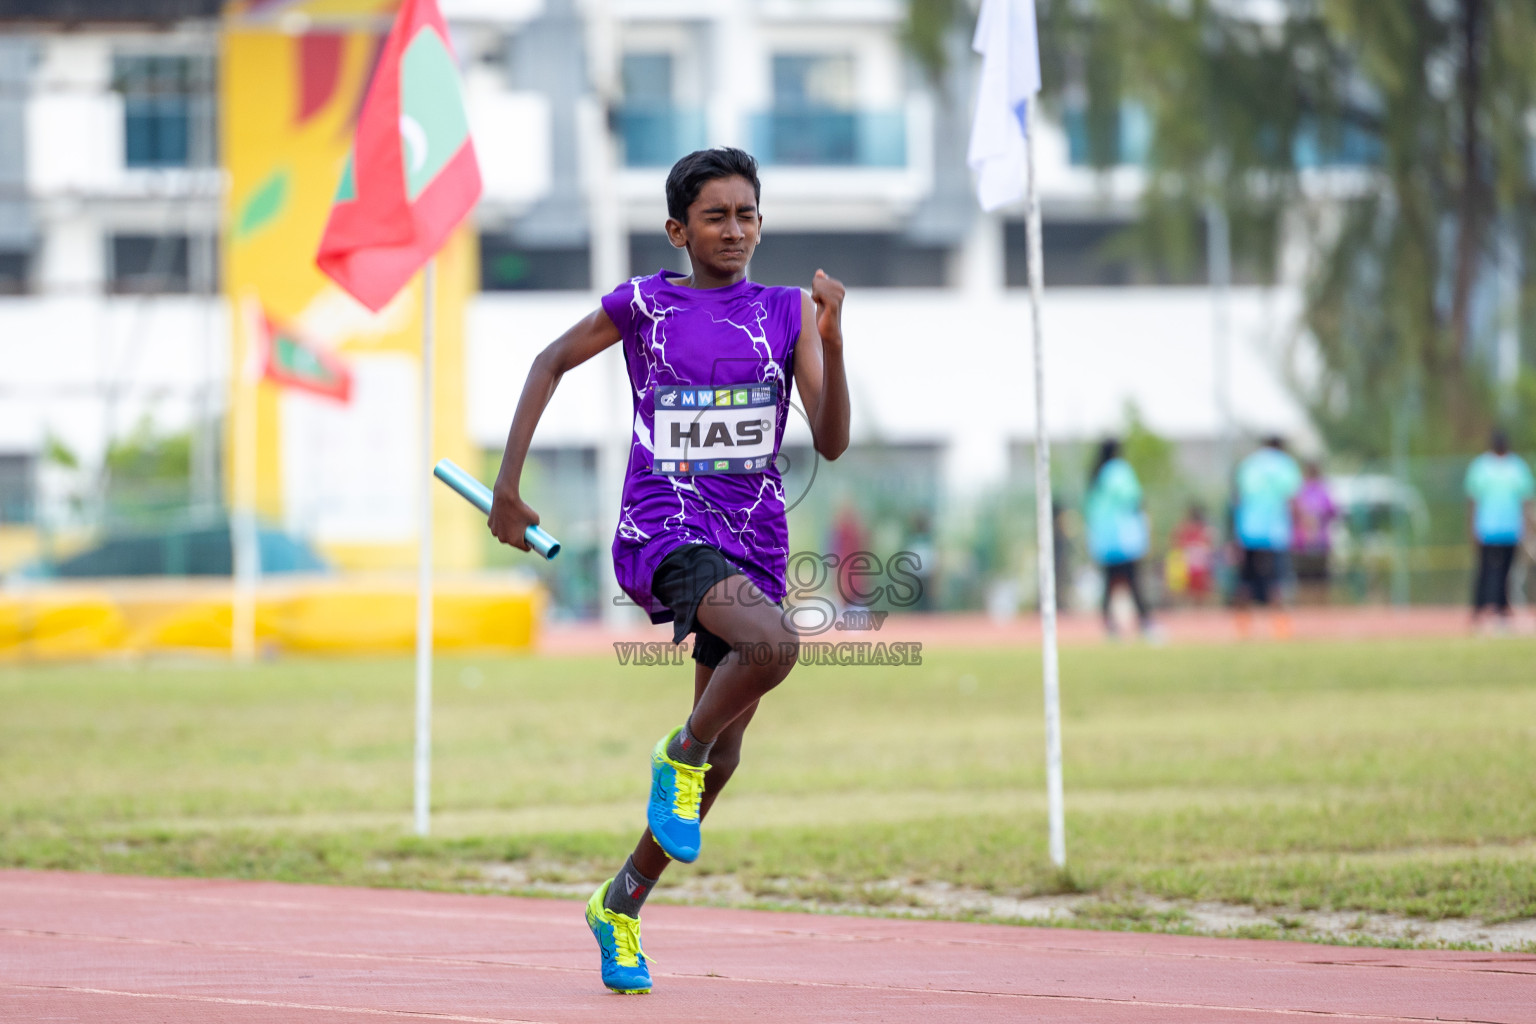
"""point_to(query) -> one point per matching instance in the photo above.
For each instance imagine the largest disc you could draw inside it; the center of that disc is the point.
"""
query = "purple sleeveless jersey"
(742, 334)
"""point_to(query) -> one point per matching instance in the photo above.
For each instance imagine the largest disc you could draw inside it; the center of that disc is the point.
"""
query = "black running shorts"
(681, 581)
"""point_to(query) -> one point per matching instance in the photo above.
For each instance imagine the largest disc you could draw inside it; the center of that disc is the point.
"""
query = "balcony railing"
(1131, 143)
(658, 136)
(1352, 145)
(830, 138)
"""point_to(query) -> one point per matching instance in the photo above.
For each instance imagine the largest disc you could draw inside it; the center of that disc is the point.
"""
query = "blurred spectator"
(1267, 484)
(1311, 543)
(1499, 491)
(1191, 563)
(1117, 530)
(847, 538)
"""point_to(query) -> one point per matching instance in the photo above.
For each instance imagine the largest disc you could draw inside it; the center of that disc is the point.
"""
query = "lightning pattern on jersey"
(741, 334)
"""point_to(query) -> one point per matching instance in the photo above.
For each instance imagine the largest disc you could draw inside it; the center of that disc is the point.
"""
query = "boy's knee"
(787, 648)
(784, 654)
(770, 647)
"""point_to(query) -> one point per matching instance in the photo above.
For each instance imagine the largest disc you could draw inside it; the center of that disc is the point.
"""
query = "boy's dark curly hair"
(689, 175)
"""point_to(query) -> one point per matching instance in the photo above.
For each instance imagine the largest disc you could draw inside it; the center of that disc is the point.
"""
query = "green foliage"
(927, 31)
(1226, 97)
(146, 455)
(57, 452)
(148, 472)
(1522, 428)
(1435, 97)
(1151, 455)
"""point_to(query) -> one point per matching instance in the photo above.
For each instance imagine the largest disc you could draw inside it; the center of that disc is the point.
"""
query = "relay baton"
(479, 495)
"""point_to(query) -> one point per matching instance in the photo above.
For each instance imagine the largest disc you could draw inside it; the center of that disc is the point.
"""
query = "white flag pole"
(424, 563)
(1045, 532)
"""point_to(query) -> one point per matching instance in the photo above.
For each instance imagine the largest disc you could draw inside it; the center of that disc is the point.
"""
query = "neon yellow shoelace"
(690, 790)
(626, 940)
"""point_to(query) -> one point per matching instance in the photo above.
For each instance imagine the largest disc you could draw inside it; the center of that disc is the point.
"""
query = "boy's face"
(723, 227)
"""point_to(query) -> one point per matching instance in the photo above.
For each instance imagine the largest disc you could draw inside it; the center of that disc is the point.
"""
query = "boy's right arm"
(510, 515)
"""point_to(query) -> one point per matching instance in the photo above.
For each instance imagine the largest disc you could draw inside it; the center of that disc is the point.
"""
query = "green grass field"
(1396, 777)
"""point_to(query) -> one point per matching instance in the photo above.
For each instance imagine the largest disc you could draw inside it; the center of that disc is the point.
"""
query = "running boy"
(702, 539)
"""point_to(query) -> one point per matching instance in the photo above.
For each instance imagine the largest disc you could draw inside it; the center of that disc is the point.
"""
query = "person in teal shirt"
(1267, 483)
(1117, 530)
(1499, 491)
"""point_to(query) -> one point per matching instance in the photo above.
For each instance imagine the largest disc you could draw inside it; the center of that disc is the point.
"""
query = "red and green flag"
(411, 176)
(288, 360)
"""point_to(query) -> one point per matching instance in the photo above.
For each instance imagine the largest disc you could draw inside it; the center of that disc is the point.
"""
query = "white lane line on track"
(679, 975)
(277, 1004)
(318, 954)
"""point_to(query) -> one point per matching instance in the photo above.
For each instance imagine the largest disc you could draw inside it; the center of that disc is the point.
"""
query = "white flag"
(1010, 78)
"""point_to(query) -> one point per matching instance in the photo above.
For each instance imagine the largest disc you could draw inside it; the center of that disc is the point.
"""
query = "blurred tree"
(146, 474)
(926, 33)
(1151, 455)
(1423, 109)
(58, 453)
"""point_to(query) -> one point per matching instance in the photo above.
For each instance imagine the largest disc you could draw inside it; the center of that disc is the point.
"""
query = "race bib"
(715, 429)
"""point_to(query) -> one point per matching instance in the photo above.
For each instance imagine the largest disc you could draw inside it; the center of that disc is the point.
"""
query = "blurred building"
(109, 232)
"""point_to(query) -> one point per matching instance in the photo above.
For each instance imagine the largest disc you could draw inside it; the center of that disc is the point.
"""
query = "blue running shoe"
(673, 812)
(618, 940)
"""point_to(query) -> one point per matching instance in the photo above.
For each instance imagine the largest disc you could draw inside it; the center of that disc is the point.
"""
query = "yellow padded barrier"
(48, 625)
(315, 616)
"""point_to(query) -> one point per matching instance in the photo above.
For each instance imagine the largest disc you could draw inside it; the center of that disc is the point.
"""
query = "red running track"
(77, 947)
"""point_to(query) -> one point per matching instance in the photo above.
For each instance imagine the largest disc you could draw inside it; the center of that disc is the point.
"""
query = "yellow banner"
(343, 476)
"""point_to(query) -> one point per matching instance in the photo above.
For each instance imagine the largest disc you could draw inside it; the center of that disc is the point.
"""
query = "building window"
(506, 266)
(816, 120)
(1127, 141)
(653, 129)
(647, 79)
(14, 265)
(813, 81)
(858, 259)
(167, 107)
(17, 489)
(150, 264)
(1353, 142)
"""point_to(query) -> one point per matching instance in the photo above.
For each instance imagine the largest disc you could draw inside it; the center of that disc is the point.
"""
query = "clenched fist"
(827, 293)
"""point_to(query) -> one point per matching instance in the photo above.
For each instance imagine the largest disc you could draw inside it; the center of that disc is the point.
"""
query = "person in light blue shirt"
(1117, 530)
(1499, 490)
(1267, 484)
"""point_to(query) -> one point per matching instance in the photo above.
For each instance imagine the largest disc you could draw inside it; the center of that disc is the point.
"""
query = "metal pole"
(424, 564)
(1043, 520)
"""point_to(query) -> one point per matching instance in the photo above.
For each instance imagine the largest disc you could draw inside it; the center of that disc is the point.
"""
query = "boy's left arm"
(819, 370)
